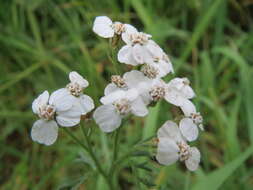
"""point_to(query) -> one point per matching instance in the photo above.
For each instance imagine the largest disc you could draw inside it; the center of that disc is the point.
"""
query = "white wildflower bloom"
(131, 80)
(53, 110)
(139, 49)
(179, 91)
(104, 27)
(189, 129)
(157, 90)
(193, 118)
(159, 66)
(189, 111)
(75, 88)
(172, 147)
(116, 105)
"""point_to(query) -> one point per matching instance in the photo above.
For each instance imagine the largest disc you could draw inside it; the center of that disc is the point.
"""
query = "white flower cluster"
(133, 92)
(64, 107)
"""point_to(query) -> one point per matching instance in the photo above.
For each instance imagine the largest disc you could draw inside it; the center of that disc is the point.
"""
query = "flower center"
(47, 112)
(149, 71)
(184, 151)
(186, 81)
(197, 119)
(139, 38)
(156, 59)
(118, 28)
(74, 88)
(118, 81)
(122, 106)
(165, 58)
(157, 93)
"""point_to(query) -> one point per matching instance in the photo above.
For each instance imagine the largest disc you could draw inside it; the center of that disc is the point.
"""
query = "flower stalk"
(91, 153)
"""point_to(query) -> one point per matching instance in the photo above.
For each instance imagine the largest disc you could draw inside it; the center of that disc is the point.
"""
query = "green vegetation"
(210, 42)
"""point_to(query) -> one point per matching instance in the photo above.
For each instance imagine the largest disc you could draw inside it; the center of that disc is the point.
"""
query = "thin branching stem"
(91, 153)
(115, 150)
(93, 156)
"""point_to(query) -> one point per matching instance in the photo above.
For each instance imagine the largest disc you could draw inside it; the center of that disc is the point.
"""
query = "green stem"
(75, 139)
(116, 139)
(89, 150)
(115, 152)
(92, 154)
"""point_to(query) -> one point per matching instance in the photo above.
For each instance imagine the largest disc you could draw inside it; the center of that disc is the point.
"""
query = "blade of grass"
(215, 179)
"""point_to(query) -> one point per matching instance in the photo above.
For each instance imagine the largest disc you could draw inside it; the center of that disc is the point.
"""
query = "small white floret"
(103, 27)
(107, 118)
(188, 129)
(44, 132)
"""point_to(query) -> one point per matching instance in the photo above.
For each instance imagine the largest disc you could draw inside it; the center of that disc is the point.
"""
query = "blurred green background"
(208, 41)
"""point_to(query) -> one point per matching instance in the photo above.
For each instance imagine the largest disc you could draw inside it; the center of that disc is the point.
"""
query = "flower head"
(139, 48)
(104, 27)
(173, 147)
(64, 107)
(75, 88)
(53, 110)
(116, 105)
(179, 91)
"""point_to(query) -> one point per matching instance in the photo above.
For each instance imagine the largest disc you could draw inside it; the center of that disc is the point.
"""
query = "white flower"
(178, 91)
(159, 66)
(57, 109)
(139, 49)
(131, 80)
(192, 122)
(118, 104)
(157, 90)
(104, 27)
(172, 147)
(75, 88)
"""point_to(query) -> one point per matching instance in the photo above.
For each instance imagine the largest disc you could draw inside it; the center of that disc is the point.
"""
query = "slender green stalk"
(115, 150)
(75, 139)
(89, 150)
(115, 153)
(93, 156)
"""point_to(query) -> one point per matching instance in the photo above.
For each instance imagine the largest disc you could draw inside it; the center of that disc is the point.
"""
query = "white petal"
(103, 27)
(154, 49)
(184, 89)
(61, 99)
(107, 118)
(188, 108)
(111, 87)
(176, 83)
(125, 55)
(134, 78)
(86, 103)
(188, 92)
(40, 101)
(170, 130)
(167, 151)
(164, 68)
(174, 97)
(188, 129)
(44, 132)
(70, 117)
(131, 94)
(67, 121)
(112, 97)
(119, 94)
(139, 54)
(129, 29)
(193, 162)
(139, 108)
(76, 78)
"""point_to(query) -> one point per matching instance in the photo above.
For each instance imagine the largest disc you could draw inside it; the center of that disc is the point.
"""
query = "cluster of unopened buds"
(131, 93)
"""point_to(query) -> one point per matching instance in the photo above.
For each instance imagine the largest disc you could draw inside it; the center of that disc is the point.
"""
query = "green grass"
(210, 42)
